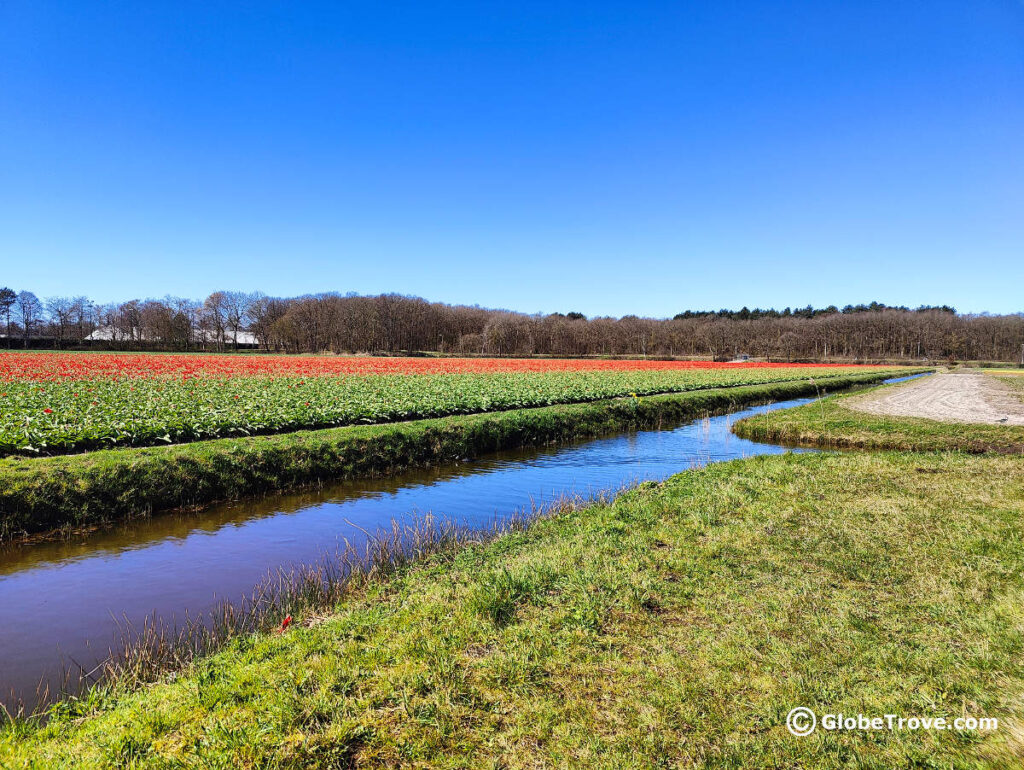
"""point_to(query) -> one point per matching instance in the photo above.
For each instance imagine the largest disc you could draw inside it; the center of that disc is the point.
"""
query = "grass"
(92, 489)
(673, 626)
(1015, 380)
(143, 655)
(830, 423)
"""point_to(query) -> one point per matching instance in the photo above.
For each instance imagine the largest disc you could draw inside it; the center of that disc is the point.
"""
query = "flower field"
(62, 402)
(48, 367)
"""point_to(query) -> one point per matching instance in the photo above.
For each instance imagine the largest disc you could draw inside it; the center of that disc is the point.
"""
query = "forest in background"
(392, 323)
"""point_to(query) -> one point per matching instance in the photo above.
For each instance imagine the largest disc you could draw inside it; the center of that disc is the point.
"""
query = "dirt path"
(950, 397)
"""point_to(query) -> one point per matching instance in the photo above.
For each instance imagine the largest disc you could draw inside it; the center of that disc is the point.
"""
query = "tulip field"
(65, 402)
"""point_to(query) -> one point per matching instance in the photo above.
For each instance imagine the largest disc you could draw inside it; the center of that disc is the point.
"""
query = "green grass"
(830, 423)
(38, 494)
(674, 626)
(1015, 380)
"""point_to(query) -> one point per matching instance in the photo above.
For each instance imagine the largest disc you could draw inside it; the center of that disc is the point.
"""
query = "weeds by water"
(158, 649)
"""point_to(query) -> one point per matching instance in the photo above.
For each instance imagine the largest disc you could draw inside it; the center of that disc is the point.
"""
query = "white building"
(202, 337)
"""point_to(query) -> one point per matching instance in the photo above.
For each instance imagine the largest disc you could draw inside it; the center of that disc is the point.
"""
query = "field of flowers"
(61, 402)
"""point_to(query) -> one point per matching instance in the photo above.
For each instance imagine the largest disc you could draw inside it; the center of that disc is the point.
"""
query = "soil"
(969, 397)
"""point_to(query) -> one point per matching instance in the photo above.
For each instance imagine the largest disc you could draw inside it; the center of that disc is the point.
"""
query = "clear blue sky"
(610, 158)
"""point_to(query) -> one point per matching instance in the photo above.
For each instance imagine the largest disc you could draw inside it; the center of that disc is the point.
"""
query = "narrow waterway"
(62, 601)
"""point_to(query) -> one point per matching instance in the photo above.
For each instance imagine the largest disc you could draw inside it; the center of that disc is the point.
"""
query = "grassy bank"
(830, 423)
(676, 625)
(90, 489)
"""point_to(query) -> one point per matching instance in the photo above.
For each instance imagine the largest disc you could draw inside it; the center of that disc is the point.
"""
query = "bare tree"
(214, 320)
(62, 312)
(7, 300)
(237, 311)
(29, 312)
(128, 321)
(263, 313)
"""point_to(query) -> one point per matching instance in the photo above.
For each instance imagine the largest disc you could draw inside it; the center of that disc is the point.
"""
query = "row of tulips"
(77, 402)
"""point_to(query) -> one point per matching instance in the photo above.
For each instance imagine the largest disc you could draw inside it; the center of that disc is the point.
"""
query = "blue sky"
(610, 158)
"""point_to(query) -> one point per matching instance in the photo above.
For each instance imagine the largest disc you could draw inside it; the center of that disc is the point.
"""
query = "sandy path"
(951, 397)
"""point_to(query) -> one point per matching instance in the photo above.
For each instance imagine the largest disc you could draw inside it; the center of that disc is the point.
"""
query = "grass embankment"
(831, 423)
(40, 494)
(676, 625)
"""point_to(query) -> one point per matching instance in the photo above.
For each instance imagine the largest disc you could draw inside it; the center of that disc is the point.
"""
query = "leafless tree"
(29, 312)
(214, 320)
(67, 316)
(7, 299)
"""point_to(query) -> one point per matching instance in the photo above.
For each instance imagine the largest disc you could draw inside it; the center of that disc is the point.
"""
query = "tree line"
(392, 323)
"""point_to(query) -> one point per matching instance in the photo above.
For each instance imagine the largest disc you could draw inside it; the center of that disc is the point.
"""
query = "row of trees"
(27, 317)
(220, 321)
(746, 314)
(392, 323)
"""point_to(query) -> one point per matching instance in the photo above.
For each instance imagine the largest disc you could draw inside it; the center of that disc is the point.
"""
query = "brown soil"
(951, 397)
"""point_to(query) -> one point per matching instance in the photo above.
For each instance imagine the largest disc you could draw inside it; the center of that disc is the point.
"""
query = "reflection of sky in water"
(68, 593)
